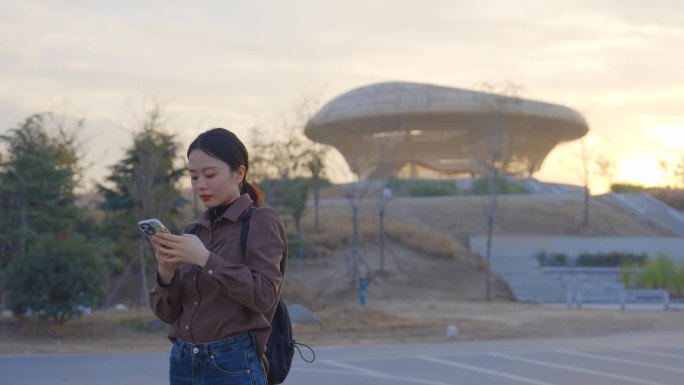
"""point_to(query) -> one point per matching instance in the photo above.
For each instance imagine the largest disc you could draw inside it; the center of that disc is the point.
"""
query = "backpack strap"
(244, 231)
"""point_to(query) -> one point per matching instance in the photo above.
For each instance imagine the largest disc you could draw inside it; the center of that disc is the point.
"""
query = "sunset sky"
(235, 64)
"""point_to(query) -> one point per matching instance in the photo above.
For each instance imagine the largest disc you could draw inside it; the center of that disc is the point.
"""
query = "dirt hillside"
(428, 280)
(426, 250)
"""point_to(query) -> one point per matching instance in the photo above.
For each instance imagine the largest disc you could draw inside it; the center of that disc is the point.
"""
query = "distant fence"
(616, 294)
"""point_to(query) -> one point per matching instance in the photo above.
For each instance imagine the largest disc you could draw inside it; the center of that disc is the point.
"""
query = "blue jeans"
(233, 361)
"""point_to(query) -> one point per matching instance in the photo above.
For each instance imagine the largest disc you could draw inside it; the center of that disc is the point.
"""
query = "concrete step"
(529, 282)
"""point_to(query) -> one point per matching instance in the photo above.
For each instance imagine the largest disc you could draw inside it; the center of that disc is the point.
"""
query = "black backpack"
(280, 345)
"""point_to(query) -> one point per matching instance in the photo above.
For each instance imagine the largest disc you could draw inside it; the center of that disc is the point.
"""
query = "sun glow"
(640, 169)
(671, 136)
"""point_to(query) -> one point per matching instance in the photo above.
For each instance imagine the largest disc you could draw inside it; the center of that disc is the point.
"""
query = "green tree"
(37, 180)
(38, 174)
(56, 278)
(145, 184)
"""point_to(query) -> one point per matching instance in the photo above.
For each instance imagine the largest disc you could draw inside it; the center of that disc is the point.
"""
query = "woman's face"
(213, 180)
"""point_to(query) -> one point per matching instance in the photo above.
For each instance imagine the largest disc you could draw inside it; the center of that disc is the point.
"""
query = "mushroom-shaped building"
(393, 128)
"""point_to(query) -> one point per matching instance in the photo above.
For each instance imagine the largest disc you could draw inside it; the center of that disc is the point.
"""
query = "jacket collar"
(233, 213)
(238, 207)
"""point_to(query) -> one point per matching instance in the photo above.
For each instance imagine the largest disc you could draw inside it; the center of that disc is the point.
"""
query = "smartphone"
(152, 226)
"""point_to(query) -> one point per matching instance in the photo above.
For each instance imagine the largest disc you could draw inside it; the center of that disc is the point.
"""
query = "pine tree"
(143, 185)
(39, 171)
(38, 175)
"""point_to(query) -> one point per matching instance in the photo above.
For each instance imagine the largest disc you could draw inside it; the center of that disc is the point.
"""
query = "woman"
(220, 304)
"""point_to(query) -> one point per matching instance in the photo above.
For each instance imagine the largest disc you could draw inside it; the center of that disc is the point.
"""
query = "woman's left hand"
(186, 248)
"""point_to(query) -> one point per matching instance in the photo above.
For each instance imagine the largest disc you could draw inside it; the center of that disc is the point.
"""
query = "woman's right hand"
(166, 268)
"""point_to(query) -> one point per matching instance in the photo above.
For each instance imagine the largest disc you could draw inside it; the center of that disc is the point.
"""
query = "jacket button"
(211, 271)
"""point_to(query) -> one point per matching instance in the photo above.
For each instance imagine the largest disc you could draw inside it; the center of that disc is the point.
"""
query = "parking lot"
(641, 358)
(625, 359)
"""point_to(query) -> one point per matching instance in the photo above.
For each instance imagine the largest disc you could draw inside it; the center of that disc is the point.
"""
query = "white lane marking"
(353, 368)
(326, 371)
(668, 337)
(648, 352)
(483, 370)
(575, 369)
(619, 360)
(372, 373)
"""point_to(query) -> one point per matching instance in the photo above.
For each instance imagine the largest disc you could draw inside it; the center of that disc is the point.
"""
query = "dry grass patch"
(422, 239)
(336, 231)
(125, 331)
(555, 215)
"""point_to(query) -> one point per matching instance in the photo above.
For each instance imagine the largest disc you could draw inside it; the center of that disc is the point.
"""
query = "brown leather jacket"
(228, 296)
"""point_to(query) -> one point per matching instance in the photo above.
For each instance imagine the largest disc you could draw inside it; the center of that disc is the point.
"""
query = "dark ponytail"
(254, 193)
(226, 146)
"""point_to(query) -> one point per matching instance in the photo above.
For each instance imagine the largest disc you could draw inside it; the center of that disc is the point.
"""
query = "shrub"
(587, 259)
(627, 187)
(679, 279)
(662, 273)
(504, 186)
(558, 259)
(55, 279)
(626, 275)
(423, 187)
(611, 259)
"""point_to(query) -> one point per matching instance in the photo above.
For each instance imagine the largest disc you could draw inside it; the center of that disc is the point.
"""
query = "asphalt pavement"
(636, 358)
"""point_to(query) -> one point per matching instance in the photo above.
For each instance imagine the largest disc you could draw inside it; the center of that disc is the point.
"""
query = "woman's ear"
(239, 176)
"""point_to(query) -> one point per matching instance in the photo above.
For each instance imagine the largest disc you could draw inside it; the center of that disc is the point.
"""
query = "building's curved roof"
(399, 98)
(380, 127)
